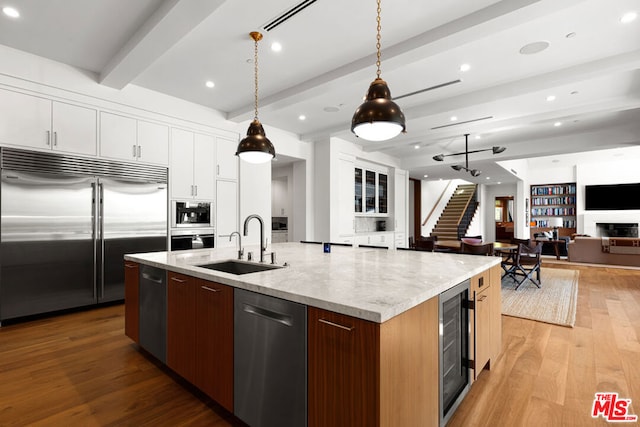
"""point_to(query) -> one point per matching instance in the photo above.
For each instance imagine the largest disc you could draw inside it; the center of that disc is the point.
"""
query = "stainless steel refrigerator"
(66, 224)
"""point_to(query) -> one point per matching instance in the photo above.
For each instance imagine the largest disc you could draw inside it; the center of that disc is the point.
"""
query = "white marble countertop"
(371, 284)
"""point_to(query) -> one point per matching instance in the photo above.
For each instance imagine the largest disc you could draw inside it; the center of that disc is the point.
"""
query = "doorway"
(504, 218)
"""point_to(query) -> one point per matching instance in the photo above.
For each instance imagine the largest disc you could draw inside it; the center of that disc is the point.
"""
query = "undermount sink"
(239, 267)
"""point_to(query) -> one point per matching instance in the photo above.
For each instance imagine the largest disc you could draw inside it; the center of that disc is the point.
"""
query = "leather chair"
(468, 248)
(425, 243)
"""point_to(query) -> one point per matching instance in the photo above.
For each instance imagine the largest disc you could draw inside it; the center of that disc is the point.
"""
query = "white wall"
(614, 172)
(255, 198)
(488, 207)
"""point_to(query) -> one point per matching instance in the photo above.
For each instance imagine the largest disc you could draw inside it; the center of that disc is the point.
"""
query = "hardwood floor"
(81, 370)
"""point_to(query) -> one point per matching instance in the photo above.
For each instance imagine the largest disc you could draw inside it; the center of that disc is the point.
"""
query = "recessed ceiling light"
(331, 109)
(533, 48)
(416, 147)
(628, 17)
(551, 98)
(426, 176)
(557, 124)
(11, 12)
(453, 118)
(465, 67)
(209, 84)
(440, 179)
(302, 117)
(499, 182)
(276, 47)
(488, 177)
(478, 137)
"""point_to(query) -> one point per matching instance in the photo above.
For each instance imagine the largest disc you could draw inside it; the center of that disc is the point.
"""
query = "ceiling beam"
(497, 17)
(173, 20)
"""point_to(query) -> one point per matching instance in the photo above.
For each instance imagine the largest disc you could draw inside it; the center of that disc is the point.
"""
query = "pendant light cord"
(255, 77)
(378, 41)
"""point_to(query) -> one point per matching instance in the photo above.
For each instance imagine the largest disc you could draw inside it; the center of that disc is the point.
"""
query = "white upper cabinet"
(126, 138)
(192, 165)
(227, 161)
(153, 143)
(31, 121)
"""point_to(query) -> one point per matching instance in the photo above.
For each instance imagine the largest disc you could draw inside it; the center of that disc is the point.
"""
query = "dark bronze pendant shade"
(256, 147)
(378, 118)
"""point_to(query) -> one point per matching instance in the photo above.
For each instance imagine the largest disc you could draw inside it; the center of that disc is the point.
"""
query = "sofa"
(614, 251)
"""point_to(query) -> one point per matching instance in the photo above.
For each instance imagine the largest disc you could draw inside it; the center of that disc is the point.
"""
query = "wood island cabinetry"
(131, 300)
(486, 321)
(363, 373)
(181, 322)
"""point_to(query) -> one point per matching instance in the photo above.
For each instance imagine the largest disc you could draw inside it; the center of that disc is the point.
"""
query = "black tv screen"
(612, 197)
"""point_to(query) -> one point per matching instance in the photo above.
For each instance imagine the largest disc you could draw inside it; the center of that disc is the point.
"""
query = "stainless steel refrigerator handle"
(101, 230)
(147, 276)
(268, 314)
(94, 236)
(327, 322)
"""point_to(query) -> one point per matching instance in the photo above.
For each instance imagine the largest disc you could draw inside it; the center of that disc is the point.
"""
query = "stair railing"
(437, 203)
(467, 214)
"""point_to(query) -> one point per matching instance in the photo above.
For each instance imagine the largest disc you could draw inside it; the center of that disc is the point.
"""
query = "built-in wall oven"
(192, 238)
(455, 375)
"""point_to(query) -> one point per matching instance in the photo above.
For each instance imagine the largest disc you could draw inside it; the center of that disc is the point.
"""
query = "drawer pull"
(175, 279)
(130, 266)
(206, 288)
(327, 322)
(482, 298)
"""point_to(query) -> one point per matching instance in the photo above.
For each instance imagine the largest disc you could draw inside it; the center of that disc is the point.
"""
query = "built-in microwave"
(188, 213)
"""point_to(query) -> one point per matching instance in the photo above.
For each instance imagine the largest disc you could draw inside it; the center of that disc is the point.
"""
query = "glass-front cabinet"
(358, 190)
(371, 192)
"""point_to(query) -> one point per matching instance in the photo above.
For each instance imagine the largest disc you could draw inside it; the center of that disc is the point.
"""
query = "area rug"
(555, 302)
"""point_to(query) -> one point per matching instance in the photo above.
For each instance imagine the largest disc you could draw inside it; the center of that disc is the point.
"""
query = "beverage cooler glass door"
(47, 243)
(133, 219)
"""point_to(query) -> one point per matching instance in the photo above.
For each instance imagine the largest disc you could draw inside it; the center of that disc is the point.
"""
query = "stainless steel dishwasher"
(270, 360)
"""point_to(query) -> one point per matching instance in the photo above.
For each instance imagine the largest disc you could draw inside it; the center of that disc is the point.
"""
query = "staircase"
(456, 216)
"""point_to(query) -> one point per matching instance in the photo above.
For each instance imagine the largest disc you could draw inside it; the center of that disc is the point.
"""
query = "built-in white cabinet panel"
(227, 161)
(346, 219)
(375, 239)
(400, 198)
(192, 165)
(279, 197)
(126, 138)
(226, 212)
(31, 121)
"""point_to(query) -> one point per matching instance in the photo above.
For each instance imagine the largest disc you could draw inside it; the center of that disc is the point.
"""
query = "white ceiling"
(328, 60)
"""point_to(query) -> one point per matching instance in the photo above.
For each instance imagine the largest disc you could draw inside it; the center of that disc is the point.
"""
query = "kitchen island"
(372, 323)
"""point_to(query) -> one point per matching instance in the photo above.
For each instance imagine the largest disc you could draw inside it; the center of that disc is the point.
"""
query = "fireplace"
(616, 229)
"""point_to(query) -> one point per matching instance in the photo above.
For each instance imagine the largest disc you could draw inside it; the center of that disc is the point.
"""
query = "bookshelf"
(553, 201)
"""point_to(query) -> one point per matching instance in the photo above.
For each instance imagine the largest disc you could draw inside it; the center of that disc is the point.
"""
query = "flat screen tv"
(612, 197)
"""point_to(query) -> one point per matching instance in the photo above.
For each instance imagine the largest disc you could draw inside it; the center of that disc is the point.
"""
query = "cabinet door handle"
(48, 137)
(139, 151)
(55, 139)
(134, 151)
(129, 265)
(327, 322)
(196, 187)
(175, 279)
(217, 169)
(482, 298)
(206, 288)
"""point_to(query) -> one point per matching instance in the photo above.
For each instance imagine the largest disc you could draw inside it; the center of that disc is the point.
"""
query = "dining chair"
(527, 261)
(425, 244)
(474, 249)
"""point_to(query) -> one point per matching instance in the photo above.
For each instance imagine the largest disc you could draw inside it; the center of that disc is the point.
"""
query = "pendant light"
(256, 147)
(378, 118)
